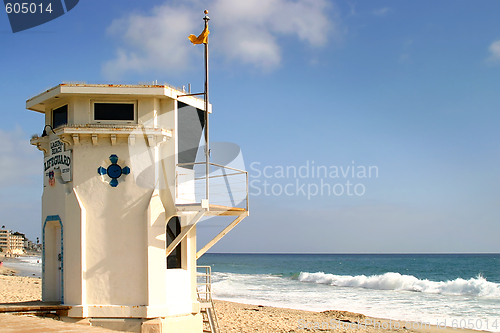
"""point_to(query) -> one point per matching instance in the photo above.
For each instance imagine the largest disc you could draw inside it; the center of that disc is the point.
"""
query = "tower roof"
(38, 102)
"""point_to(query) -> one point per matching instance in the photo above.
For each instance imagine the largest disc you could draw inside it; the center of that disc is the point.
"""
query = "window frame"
(117, 121)
(179, 250)
(52, 115)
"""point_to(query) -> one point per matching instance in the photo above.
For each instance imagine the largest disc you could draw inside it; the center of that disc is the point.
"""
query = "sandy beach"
(244, 318)
(17, 288)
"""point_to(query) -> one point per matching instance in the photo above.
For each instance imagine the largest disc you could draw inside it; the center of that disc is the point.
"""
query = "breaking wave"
(395, 281)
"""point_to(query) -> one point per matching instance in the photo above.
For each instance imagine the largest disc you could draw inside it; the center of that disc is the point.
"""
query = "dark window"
(173, 230)
(60, 116)
(114, 111)
(191, 124)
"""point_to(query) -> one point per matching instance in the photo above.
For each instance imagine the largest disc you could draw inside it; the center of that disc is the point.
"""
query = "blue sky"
(409, 87)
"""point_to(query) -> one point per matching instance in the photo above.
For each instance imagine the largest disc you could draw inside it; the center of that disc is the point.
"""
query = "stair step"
(207, 309)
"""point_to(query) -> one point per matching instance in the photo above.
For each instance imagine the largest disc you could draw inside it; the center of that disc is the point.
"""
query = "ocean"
(25, 266)
(456, 290)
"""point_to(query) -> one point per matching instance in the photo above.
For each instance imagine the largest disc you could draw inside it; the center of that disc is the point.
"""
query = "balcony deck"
(213, 210)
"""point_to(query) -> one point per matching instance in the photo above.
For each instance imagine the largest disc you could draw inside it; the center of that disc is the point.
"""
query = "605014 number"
(27, 8)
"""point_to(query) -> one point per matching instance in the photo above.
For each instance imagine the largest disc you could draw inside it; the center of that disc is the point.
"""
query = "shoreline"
(247, 318)
(11, 267)
(291, 320)
(4, 270)
(445, 325)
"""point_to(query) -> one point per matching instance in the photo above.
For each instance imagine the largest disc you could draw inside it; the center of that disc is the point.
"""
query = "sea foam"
(396, 281)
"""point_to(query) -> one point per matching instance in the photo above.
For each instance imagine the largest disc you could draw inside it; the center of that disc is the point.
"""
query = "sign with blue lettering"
(58, 164)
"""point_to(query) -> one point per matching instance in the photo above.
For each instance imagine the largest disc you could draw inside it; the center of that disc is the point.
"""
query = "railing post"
(247, 189)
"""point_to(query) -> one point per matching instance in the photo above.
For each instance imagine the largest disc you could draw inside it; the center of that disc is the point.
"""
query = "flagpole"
(207, 148)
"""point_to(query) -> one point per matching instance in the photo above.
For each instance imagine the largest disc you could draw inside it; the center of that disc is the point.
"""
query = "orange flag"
(201, 39)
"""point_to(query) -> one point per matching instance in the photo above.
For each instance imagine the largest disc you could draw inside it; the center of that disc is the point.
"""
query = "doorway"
(52, 260)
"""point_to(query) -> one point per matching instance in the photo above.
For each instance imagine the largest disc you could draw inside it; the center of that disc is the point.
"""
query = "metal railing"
(227, 187)
(204, 284)
(204, 291)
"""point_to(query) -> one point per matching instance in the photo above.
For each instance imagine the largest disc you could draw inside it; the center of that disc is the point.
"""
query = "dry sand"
(18, 288)
(244, 318)
(235, 317)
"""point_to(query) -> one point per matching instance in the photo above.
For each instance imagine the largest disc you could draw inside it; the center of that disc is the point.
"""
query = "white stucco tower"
(121, 201)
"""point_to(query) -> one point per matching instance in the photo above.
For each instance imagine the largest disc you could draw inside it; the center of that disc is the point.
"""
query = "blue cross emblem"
(114, 171)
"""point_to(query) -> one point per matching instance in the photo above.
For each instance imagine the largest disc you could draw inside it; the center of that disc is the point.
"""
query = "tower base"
(191, 323)
(180, 324)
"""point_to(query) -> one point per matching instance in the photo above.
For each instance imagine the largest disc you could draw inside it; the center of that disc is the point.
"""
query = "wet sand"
(244, 318)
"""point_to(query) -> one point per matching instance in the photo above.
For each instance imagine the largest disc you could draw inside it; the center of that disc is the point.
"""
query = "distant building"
(16, 244)
(4, 239)
(28, 245)
(11, 243)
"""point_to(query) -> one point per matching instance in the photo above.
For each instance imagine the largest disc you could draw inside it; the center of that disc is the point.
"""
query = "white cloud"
(382, 11)
(251, 31)
(494, 52)
(156, 41)
(19, 161)
(244, 31)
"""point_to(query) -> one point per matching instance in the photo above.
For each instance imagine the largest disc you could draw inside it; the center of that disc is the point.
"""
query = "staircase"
(207, 309)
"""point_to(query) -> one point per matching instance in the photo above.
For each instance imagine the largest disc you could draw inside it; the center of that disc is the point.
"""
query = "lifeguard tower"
(123, 194)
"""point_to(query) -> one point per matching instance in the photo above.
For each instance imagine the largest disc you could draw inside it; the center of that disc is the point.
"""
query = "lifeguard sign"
(57, 165)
